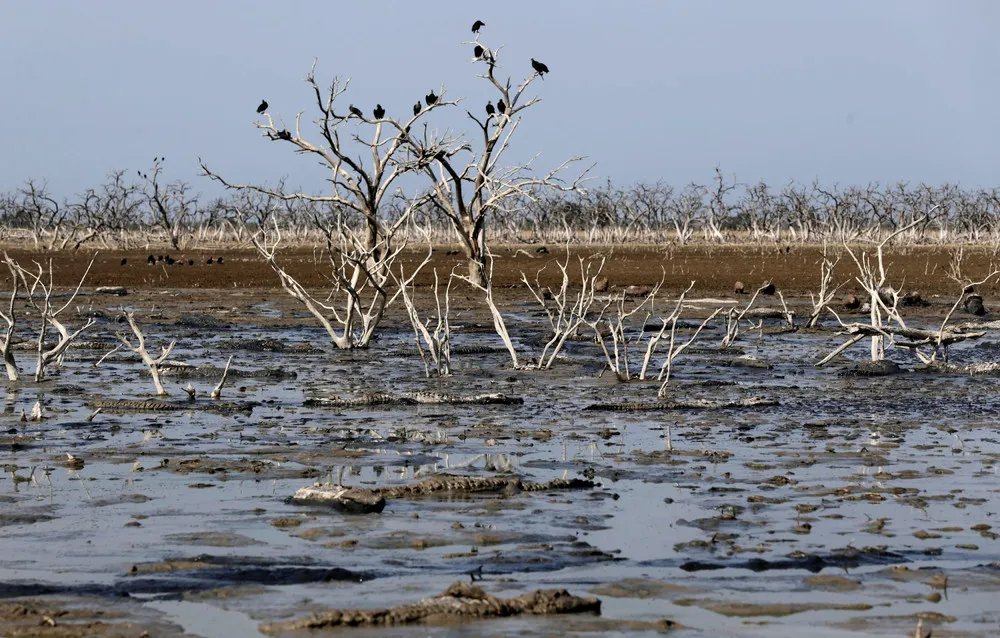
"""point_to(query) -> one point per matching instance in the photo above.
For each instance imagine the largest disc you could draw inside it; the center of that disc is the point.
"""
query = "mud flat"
(772, 500)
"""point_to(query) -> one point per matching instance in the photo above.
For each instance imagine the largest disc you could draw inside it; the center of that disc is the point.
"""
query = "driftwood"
(360, 500)
(696, 404)
(156, 405)
(414, 398)
(460, 601)
(916, 336)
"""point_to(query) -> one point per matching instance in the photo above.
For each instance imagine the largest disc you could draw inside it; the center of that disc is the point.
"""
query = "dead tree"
(170, 205)
(352, 310)
(111, 212)
(499, 325)
(673, 350)
(364, 234)
(39, 287)
(10, 317)
(884, 307)
(140, 349)
(565, 315)
(468, 182)
(826, 294)
(43, 214)
(735, 316)
(872, 277)
(615, 330)
(437, 340)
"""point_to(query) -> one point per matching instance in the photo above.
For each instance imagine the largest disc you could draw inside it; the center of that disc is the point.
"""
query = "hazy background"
(847, 91)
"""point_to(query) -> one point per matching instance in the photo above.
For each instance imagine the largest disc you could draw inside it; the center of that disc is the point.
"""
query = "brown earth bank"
(795, 270)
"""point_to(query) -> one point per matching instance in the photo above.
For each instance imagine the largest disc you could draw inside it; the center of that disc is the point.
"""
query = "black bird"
(416, 108)
(262, 107)
(159, 258)
(379, 112)
(355, 111)
(478, 51)
(284, 135)
(124, 261)
(170, 260)
(218, 260)
(476, 25)
(501, 107)
(489, 108)
(539, 68)
(430, 98)
(151, 260)
(190, 262)
(210, 260)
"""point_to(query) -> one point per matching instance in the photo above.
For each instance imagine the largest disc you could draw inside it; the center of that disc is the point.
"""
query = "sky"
(846, 92)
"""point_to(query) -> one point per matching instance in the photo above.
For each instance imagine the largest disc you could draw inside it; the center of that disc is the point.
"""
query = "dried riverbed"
(855, 506)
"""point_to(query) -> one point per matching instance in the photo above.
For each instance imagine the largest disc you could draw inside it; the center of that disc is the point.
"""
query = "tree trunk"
(8, 359)
(476, 275)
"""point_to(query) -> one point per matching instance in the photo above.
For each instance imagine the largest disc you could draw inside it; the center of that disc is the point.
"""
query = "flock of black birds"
(170, 261)
(480, 53)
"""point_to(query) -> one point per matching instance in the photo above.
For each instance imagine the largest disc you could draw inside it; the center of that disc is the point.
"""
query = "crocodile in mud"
(414, 398)
(362, 500)
(461, 600)
(179, 370)
(157, 405)
(698, 404)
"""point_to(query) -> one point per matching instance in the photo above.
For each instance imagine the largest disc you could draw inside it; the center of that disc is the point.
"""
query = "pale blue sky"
(847, 91)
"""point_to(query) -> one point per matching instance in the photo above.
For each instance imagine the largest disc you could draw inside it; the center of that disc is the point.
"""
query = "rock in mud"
(460, 601)
(881, 368)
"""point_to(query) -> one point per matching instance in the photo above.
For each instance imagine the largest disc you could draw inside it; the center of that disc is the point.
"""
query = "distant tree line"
(124, 212)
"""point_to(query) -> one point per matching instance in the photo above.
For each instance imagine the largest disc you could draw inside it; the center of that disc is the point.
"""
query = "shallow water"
(879, 481)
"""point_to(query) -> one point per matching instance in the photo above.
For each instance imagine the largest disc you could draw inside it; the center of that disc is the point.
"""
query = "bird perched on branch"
(489, 108)
(477, 25)
(416, 108)
(501, 107)
(478, 52)
(284, 135)
(430, 98)
(355, 111)
(262, 107)
(379, 112)
(539, 68)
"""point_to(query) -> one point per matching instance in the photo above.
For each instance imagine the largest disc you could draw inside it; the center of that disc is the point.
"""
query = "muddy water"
(854, 507)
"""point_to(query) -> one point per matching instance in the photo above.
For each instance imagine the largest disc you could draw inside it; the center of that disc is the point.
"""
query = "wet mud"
(751, 500)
